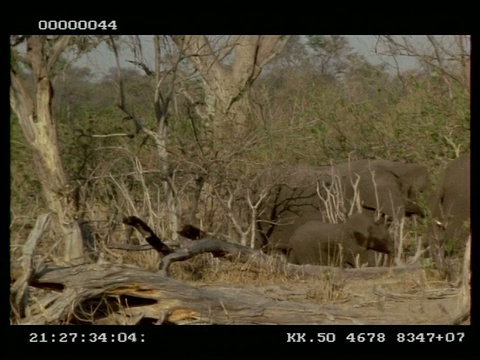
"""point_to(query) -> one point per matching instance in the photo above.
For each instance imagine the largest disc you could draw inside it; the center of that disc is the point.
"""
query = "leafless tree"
(228, 67)
(161, 102)
(448, 55)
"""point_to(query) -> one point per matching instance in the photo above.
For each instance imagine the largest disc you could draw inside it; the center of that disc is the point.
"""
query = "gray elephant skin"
(390, 187)
(320, 243)
(450, 205)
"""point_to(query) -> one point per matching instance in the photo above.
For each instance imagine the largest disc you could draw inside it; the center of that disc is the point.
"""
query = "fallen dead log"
(93, 293)
(430, 294)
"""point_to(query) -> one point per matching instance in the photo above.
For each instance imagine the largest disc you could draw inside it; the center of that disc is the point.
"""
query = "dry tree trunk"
(226, 85)
(91, 293)
(34, 112)
(122, 294)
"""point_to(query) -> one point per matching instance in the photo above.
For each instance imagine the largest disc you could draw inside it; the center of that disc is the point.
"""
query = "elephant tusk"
(439, 223)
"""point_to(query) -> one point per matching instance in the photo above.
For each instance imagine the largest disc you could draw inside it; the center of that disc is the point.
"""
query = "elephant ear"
(385, 187)
(361, 238)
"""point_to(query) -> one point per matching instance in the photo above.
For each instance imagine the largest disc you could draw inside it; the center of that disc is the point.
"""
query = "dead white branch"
(19, 290)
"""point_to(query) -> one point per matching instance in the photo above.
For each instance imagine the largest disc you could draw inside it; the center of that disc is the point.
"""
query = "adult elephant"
(450, 208)
(320, 243)
(302, 192)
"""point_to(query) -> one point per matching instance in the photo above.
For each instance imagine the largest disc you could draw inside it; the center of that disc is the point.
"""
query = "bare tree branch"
(58, 48)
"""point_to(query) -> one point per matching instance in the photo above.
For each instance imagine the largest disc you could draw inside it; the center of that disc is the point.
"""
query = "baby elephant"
(321, 243)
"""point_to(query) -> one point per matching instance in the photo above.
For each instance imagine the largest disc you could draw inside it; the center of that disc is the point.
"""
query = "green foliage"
(373, 118)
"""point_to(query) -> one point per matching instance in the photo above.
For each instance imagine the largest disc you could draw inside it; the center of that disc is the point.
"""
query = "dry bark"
(125, 294)
(226, 82)
(35, 115)
(142, 295)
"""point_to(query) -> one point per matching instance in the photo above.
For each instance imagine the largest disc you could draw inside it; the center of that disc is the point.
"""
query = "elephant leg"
(291, 257)
(438, 254)
(351, 255)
